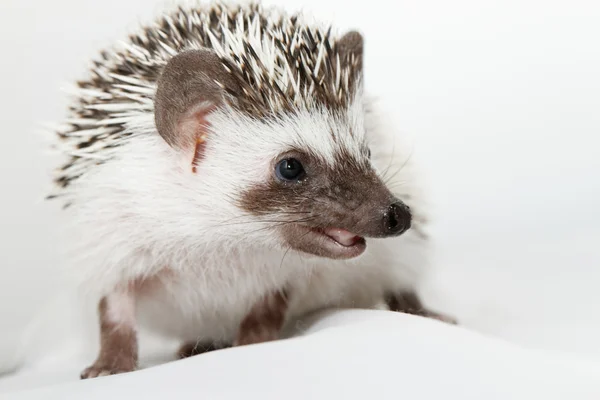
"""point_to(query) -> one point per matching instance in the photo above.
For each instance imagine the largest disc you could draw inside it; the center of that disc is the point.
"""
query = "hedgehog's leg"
(194, 348)
(118, 338)
(409, 302)
(264, 321)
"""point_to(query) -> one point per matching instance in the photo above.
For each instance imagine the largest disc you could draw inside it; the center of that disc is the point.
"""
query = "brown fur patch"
(118, 347)
(264, 321)
(347, 195)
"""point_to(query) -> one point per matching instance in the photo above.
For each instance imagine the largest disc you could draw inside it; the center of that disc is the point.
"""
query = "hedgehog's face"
(304, 175)
(325, 204)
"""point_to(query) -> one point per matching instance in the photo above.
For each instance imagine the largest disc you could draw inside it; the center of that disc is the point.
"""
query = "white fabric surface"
(352, 354)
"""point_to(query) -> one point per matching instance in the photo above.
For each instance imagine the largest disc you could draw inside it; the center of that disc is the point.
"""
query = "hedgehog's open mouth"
(334, 243)
(345, 243)
(341, 236)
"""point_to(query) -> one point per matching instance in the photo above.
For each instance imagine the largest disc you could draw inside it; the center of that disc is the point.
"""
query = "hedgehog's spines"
(281, 65)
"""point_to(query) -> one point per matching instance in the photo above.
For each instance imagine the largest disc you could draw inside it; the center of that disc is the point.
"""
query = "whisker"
(278, 225)
(290, 247)
(390, 163)
(387, 180)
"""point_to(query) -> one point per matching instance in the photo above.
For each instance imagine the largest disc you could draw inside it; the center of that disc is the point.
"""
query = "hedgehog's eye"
(290, 169)
(368, 153)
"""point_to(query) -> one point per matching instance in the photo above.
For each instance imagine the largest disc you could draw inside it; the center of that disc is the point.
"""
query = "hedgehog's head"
(300, 179)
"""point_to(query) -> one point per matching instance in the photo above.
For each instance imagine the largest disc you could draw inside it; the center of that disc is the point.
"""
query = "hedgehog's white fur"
(146, 210)
(144, 214)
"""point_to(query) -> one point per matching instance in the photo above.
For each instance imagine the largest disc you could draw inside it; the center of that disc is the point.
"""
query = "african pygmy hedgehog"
(226, 173)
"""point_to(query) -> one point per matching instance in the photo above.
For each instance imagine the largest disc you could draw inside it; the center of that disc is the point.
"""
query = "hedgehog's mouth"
(340, 236)
(340, 243)
(331, 242)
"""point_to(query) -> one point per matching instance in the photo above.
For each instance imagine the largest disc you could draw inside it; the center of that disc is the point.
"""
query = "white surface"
(502, 98)
(350, 354)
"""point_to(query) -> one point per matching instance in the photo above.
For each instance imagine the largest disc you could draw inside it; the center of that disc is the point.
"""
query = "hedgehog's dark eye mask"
(327, 209)
(290, 170)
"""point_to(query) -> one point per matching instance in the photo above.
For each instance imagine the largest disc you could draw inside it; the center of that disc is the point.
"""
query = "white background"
(502, 99)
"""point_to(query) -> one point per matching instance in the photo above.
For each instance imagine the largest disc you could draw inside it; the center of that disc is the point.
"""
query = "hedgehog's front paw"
(101, 368)
(257, 334)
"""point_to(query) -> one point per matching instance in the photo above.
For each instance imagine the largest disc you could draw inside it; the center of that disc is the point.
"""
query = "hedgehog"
(226, 172)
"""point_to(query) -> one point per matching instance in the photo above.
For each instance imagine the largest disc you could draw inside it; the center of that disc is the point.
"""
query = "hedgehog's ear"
(350, 48)
(192, 84)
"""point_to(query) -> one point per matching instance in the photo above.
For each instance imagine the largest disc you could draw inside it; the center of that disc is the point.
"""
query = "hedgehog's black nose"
(396, 219)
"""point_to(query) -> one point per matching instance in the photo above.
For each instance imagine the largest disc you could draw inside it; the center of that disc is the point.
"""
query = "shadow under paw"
(195, 348)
